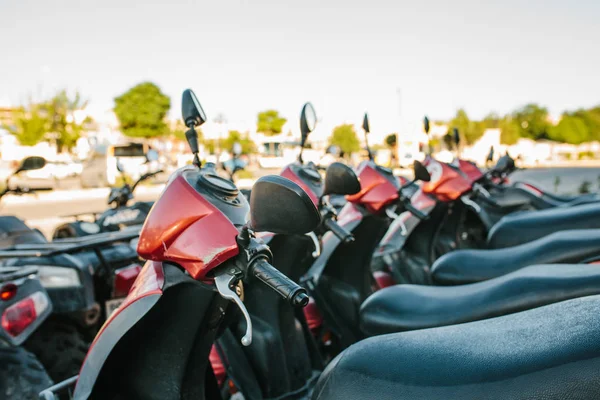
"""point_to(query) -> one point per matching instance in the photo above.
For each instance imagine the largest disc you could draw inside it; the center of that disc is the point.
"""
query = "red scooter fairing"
(305, 177)
(379, 187)
(470, 170)
(447, 183)
(181, 219)
(198, 234)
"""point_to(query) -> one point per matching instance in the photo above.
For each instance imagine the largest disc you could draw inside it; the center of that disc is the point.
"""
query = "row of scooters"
(456, 284)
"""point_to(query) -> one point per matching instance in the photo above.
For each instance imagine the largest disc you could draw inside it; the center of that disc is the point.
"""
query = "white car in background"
(48, 177)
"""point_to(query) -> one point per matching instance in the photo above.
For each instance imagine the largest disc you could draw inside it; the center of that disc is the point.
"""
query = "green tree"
(61, 114)
(509, 131)
(248, 145)
(469, 130)
(345, 137)
(532, 120)
(141, 111)
(270, 122)
(591, 118)
(391, 140)
(571, 129)
(30, 124)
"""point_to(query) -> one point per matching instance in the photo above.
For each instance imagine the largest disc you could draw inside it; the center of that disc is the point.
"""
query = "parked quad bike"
(24, 305)
(86, 279)
(126, 362)
(120, 215)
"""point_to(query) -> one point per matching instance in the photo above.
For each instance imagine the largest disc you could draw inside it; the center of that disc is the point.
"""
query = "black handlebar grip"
(287, 288)
(339, 231)
(414, 211)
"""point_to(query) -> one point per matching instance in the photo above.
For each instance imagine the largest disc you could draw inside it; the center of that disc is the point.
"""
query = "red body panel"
(186, 229)
(446, 183)
(289, 174)
(470, 170)
(217, 365)
(376, 192)
(313, 316)
(383, 279)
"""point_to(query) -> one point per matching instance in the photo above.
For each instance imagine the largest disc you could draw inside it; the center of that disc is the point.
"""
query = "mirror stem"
(368, 148)
(192, 137)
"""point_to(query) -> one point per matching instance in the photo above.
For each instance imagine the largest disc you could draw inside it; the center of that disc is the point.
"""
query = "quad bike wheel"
(60, 347)
(22, 376)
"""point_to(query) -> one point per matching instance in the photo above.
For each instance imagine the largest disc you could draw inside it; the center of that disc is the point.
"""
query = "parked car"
(100, 169)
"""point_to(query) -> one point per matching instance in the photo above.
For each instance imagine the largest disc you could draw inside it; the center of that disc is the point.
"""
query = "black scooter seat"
(467, 266)
(549, 353)
(409, 307)
(520, 228)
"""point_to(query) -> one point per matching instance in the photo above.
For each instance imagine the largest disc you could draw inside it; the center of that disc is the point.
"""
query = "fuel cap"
(310, 174)
(217, 185)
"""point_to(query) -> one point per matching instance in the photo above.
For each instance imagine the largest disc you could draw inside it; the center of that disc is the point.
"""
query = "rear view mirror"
(31, 163)
(308, 122)
(503, 164)
(193, 116)
(279, 205)
(456, 136)
(421, 173)
(426, 125)
(490, 156)
(365, 124)
(120, 166)
(340, 179)
(191, 110)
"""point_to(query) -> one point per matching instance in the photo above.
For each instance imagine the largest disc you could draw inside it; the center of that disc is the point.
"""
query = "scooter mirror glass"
(340, 179)
(237, 149)
(421, 173)
(191, 110)
(31, 163)
(456, 136)
(490, 156)
(120, 166)
(308, 122)
(503, 164)
(426, 124)
(152, 155)
(279, 205)
(365, 124)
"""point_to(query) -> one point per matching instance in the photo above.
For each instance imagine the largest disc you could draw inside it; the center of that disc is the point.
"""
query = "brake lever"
(224, 283)
(317, 252)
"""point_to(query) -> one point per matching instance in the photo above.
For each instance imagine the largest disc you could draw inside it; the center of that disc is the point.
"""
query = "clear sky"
(346, 56)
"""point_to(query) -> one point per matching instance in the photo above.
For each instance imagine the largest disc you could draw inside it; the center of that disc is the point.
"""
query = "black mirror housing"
(308, 122)
(340, 179)
(456, 136)
(191, 111)
(31, 163)
(426, 125)
(279, 205)
(421, 173)
(365, 124)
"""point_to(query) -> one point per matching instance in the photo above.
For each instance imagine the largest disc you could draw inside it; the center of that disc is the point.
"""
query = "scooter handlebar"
(284, 286)
(339, 231)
